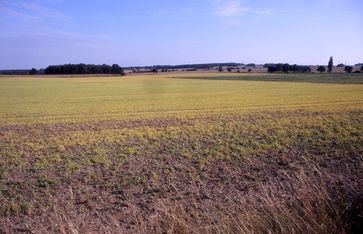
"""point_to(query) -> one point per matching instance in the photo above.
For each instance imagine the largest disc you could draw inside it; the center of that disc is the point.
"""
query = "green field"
(311, 78)
(186, 153)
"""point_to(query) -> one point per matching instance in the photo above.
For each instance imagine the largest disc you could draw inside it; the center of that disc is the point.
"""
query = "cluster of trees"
(321, 69)
(14, 72)
(286, 68)
(347, 69)
(33, 71)
(84, 69)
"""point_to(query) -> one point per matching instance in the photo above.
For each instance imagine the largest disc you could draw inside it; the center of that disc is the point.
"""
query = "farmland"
(182, 152)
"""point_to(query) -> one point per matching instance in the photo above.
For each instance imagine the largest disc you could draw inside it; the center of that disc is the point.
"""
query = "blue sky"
(36, 33)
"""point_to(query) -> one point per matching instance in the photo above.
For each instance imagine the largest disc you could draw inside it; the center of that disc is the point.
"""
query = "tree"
(361, 68)
(33, 71)
(340, 65)
(321, 69)
(294, 68)
(106, 69)
(155, 70)
(116, 69)
(330, 65)
(285, 68)
(220, 69)
(279, 67)
(83, 69)
(271, 69)
(249, 70)
(267, 65)
(348, 69)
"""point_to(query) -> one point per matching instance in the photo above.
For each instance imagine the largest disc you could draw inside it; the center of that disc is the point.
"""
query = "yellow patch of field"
(44, 100)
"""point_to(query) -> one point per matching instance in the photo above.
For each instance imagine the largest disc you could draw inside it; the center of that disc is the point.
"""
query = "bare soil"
(296, 189)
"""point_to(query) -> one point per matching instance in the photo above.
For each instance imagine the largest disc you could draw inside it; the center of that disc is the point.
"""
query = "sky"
(38, 33)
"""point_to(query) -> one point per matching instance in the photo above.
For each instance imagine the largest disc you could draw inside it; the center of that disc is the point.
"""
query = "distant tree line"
(116, 69)
(14, 72)
(33, 71)
(184, 66)
(286, 68)
(84, 69)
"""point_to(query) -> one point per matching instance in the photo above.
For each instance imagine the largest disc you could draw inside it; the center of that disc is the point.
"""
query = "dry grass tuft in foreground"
(301, 204)
(309, 200)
